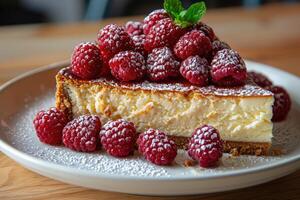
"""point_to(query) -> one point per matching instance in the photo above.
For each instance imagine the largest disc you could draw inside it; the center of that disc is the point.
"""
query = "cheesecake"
(242, 114)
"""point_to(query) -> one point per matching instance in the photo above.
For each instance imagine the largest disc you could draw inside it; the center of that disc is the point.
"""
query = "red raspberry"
(228, 68)
(86, 60)
(218, 45)
(128, 66)
(134, 28)
(195, 70)
(139, 41)
(260, 79)
(206, 146)
(282, 103)
(153, 18)
(209, 32)
(105, 70)
(163, 33)
(146, 137)
(161, 64)
(118, 137)
(157, 147)
(192, 43)
(81, 134)
(113, 39)
(49, 125)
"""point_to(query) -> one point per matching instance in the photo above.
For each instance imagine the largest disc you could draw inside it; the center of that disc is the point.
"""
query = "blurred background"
(34, 33)
(61, 11)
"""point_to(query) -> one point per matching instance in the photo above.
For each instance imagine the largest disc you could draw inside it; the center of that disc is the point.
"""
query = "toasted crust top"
(248, 90)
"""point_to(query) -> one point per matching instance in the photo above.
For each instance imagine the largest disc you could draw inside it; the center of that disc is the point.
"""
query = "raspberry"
(134, 28)
(195, 70)
(192, 43)
(157, 147)
(86, 60)
(81, 134)
(128, 66)
(139, 41)
(205, 146)
(260, 79)
(118, 137)
(153, 18)
(146, 137)
(113, 39)
(282, 103)
(161, 64)
(105, 70)
(209, 32)
(49, 125)
(163, 33)
(228, 68)
(218, 45)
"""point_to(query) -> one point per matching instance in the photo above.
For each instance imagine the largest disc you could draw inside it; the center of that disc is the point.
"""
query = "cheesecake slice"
(241, 114)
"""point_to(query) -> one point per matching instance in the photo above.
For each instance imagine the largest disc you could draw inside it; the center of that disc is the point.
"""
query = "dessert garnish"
(82, 133)
(86, 61)
(128, 66)
(260, 79)
(228, 68)
(161, 64)
(118, 138)
(282, 103)
(206, 146)
(157, 147)
(196, 70)
(49, 125)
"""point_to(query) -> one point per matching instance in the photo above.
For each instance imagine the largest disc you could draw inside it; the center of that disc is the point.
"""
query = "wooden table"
(269, 35)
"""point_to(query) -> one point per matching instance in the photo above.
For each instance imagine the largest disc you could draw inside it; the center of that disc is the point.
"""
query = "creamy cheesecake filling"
(245, 119)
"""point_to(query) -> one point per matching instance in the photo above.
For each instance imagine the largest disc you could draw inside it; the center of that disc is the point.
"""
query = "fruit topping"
(282, 103)
(86, 61)
(81, 134)
(260, 79)
(113, 39)
(153, 18)
(49, 125)
(118, 137)
(195, 70)
(165, 33)
(206, 146)
(218, 45)
(228, 68)
(209, 32)
(128, 66)
(191, 44)
(157, 147)
(134, 28)
(161, 64)
(139, 41)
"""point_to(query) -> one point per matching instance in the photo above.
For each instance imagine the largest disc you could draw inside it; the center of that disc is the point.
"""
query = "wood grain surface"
(270, 35)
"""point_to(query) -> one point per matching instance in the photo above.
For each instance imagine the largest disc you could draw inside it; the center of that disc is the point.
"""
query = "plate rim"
(8, 149)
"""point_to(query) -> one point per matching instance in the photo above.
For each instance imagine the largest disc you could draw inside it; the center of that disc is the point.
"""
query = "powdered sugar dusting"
(18, 131)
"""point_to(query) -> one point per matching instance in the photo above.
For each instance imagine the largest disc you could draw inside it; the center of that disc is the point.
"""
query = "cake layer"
(241, 114)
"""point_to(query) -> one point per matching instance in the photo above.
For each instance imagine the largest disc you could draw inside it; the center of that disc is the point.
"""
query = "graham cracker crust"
(233, 147)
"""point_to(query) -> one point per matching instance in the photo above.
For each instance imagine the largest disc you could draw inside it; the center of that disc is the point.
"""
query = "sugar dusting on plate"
(19, 132)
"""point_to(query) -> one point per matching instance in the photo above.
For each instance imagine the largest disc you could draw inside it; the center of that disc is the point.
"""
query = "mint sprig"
(182, 17)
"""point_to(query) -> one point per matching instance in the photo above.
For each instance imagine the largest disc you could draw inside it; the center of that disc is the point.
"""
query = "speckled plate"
(23, 96)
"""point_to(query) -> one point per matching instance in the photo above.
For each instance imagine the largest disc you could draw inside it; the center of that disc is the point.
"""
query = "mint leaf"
(173, 7)
(194, 13)
(180, 21)
(182, 17)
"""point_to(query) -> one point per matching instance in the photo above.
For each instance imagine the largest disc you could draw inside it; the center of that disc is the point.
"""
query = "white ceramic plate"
(22, 97)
